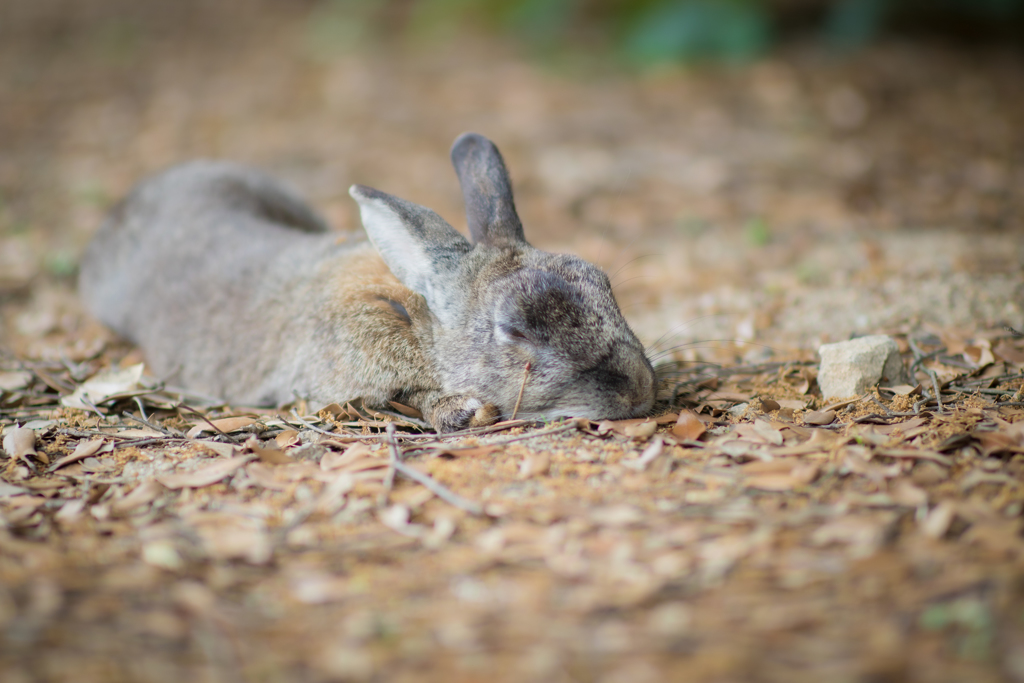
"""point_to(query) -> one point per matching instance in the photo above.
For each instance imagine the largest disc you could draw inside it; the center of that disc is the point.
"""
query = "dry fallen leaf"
(406, 410)
(225, 425)
(534, 465)
(83, 450)
(816, 417)
(642, 430)
(333, 460)
(287, 438)
(143, 494)
(204, 476)
(104, 385)
(272, 456)
(650, 454)
(467, 452)
(688, 426)
(225, 450)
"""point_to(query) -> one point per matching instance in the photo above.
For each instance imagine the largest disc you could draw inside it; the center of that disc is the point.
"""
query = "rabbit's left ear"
(487, 190)
(421, 248)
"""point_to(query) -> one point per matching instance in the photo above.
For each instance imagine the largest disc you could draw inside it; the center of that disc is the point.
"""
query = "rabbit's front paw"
(452, 413)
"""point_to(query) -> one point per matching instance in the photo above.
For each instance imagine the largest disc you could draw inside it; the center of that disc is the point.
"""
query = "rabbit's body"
(233, 287)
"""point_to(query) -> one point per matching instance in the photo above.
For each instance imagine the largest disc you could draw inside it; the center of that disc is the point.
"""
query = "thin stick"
(146, 423)
(935, 387)
(389, 481)
(207, 421)
(438, 489)
(522, 388)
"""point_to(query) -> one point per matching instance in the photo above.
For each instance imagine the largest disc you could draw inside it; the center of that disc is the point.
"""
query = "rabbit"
(233, 287)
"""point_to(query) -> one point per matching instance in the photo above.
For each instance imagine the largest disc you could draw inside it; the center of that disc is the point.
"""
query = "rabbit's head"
(509, 317)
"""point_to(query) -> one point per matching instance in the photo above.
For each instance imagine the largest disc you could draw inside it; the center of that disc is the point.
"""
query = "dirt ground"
(746, 215)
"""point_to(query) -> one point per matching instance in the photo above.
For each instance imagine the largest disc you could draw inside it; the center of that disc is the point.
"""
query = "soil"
(746, 215)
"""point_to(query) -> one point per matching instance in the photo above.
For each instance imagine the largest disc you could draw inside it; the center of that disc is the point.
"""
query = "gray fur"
(232, 286)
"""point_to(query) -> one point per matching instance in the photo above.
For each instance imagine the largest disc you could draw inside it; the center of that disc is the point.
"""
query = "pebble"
(852, 367)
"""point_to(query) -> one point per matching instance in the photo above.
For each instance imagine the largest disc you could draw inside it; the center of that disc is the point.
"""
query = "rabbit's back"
(204, 266)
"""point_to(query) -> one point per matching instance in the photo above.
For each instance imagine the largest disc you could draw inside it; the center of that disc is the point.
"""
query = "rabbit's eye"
(514, 333)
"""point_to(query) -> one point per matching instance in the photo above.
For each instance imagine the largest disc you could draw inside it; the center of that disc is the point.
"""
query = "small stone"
(852, 367)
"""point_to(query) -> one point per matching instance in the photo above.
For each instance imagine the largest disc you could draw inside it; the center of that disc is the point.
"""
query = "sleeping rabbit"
(233, 287)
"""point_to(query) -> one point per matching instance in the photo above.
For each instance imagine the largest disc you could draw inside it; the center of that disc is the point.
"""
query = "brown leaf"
(905, 493)
(287, 438)
(534, 464)
(650, 454)
(205, 476)
(937, 523)
(406, 410)
(769, 405)
(915, 454)
(267, 476)
(642, 430)
(1007, 351)
(272, 456)
(333, 461)
(468, 452)
(143, 494)
(225, 450)
(688, 426)
(83, 450)
(800, 475)
(816, 417)
(225, 425)
(792, 404)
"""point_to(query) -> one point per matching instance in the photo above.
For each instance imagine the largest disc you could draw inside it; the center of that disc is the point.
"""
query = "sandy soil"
(747, 215)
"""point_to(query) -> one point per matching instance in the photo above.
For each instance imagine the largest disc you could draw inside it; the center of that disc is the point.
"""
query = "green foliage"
(757, 233)
(971, 621)
(640, 32)
(723, 30)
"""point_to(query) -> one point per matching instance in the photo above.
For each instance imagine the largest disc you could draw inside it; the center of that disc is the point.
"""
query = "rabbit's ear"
(487, 190)
(419, 247)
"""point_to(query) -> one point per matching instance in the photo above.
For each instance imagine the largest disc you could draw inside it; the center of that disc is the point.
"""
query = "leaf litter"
(749, 531)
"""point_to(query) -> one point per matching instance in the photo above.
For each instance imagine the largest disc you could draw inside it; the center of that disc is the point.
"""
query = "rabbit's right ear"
(421, 248)
(487, 191)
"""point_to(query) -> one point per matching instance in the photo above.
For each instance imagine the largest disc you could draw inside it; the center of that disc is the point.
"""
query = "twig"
(935, 387)
(148, 442)
(843, 404)
(147, 423)
(880, 405)
(556, 430)
(142, 409)
(438, 489)
(522, 388)
(207, 421)
(389, 480)
(314, 427)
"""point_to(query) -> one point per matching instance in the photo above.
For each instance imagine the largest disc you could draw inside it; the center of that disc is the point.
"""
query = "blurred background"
(785, 171)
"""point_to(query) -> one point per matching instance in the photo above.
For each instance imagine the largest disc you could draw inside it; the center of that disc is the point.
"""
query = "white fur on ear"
(406, 257)
(419, 247)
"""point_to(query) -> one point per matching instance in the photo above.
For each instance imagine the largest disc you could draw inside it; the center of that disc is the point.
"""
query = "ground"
(746, 215)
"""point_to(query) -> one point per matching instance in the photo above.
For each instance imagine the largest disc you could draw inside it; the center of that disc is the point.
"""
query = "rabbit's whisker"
(619, 269)
(680, 327)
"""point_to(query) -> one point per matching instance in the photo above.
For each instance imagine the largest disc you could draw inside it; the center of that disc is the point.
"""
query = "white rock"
(852, 367)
